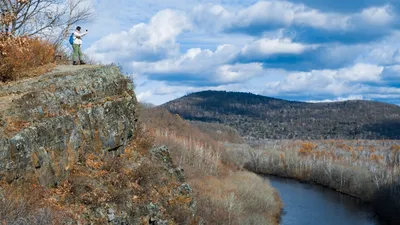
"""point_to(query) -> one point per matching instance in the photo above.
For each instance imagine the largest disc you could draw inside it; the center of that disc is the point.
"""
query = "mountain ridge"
(257, 116)
(278, 99)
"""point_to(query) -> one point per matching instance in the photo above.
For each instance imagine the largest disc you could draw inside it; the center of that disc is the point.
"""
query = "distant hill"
(256, 116)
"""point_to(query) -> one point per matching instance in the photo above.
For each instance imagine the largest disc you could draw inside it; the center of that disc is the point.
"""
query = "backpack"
(71, 39)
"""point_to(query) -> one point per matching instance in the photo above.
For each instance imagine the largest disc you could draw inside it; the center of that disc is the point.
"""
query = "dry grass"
(197, 159)
(219, 132)
(26, 204)
(191, 149)
(358, 168)
(22, 57)
(241, 198)
(224, 194)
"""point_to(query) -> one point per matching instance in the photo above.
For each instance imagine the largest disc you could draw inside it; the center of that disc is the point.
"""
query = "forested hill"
(256, 116)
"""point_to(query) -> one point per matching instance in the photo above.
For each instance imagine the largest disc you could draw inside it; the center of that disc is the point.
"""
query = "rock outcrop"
(70, 139)
(49, 122)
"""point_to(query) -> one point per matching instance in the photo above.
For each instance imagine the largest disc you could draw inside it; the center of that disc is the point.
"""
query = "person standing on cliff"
(76, 46)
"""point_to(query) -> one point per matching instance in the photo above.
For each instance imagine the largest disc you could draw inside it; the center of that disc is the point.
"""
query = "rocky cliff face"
(49, 122)
(70, 140)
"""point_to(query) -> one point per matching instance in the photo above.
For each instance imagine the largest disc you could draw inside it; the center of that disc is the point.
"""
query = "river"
(308, 204)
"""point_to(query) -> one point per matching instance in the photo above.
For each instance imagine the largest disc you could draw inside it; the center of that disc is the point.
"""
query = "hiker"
(76, 41)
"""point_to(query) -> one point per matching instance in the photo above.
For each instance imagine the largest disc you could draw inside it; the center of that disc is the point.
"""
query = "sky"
(305, 50)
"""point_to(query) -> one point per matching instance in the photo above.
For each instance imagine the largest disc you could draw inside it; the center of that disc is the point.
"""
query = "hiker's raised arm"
(78, 35)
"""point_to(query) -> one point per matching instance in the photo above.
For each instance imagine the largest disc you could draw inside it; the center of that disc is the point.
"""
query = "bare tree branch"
(42, 17)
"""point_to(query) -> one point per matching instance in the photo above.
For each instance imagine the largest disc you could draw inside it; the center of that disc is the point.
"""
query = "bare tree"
(232, 206)
(328, 169)
(379, 178)
(256, 157)
(42, 17)
(77, 12)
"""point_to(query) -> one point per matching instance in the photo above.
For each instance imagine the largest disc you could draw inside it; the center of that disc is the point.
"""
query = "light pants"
(77, 52)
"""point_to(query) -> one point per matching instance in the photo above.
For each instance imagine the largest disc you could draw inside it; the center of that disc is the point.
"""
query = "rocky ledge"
(70, 139)
(48, 123)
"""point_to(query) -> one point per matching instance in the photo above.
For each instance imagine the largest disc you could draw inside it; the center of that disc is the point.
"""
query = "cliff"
(70, 140)
(48, 122)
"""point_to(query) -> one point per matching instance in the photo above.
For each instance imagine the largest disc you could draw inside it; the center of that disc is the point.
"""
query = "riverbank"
(367, 170)
(314, 205)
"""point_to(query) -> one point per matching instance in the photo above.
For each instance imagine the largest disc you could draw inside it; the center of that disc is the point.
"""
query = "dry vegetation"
(198, 153)
(218, 131)
(241, 198)
(22, 57)
(366, 169)
(136, 183)
(224, 194)
(26, 205)
(129, 184)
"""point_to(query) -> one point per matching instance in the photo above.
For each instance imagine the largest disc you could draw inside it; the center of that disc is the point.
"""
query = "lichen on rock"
(162, 153)
(49, 122)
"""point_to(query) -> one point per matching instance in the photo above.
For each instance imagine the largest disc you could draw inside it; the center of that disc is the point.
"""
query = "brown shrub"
(241, 198)
(307, 147)
(19, 55)
(195, 151)
(395, 148)
(24, 204)
(218, 132)
(178, 209)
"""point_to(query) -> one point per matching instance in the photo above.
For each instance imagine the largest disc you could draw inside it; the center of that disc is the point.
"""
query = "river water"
(308, 204)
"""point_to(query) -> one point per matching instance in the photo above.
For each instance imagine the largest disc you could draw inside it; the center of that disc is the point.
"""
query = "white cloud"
(339, 99)
(215, 66)
(379, 16)
(383, 52)
(285, 14)
(159, 92)
(151, 41)
(195, 62)
(267, 47)
(361, 72)
(340, 82)
(144, 96)
(210, 17)
(237, 72)
(272, 14)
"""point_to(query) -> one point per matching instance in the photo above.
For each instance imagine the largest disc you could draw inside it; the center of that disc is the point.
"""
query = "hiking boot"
(83, 63)
(74, 63)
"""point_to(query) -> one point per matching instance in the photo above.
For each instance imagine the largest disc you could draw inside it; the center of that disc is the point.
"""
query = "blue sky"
(307, 50)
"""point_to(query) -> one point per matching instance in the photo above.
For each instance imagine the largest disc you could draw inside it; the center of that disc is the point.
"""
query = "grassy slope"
(224, 194)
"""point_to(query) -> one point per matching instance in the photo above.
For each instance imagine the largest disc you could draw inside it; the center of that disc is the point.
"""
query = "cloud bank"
(298, 50)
